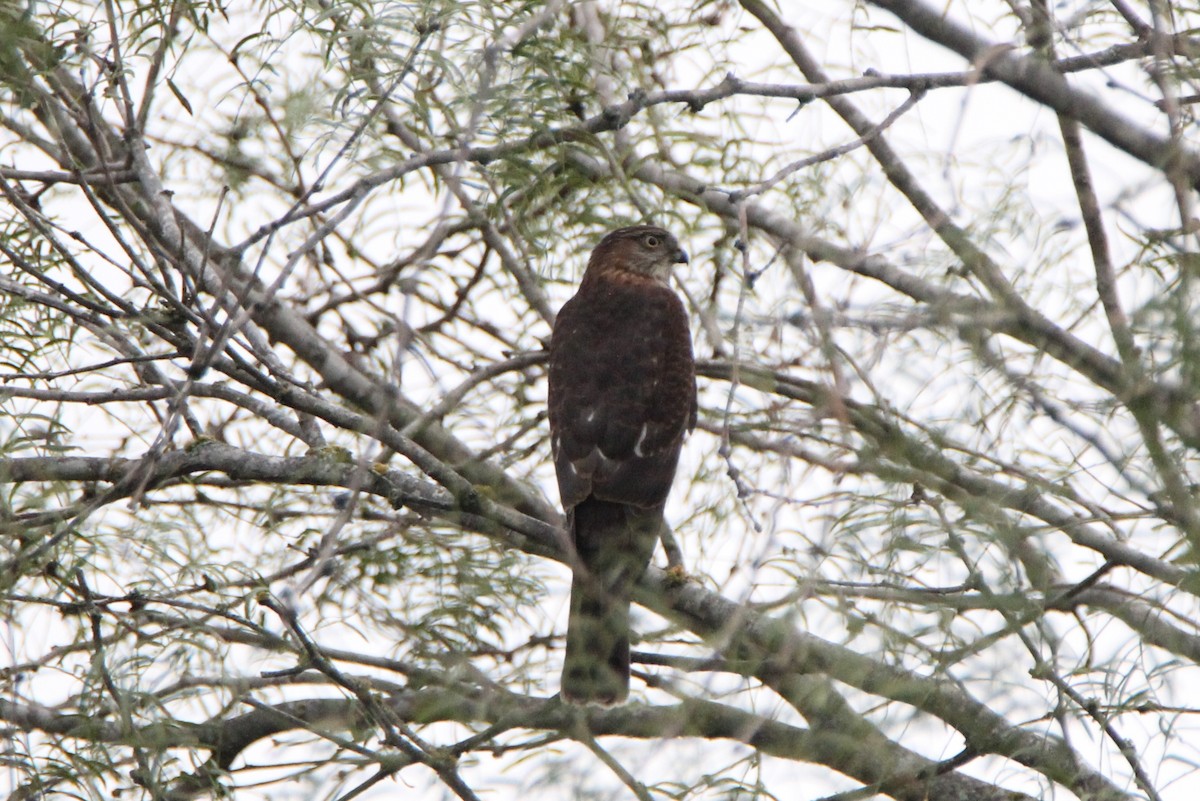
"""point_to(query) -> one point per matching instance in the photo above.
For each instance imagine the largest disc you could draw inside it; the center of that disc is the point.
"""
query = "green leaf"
(183, 101)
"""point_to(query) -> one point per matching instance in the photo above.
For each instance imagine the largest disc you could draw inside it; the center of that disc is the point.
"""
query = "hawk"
(622, 398)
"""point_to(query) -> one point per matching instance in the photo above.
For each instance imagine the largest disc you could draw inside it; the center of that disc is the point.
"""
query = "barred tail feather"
(613, 543)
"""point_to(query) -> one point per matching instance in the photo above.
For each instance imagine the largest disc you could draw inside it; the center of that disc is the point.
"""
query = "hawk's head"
(643, 249)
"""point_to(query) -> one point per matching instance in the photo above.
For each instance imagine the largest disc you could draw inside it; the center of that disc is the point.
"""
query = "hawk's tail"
(613, 542)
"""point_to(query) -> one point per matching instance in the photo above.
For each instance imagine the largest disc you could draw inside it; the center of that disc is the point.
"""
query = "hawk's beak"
(680, 257)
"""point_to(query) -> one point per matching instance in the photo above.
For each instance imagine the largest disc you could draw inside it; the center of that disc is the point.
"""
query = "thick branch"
(775, 647)
(893, 769)
(1037, 79)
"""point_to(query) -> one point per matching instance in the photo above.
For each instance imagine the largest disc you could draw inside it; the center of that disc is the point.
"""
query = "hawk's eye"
(652, 241)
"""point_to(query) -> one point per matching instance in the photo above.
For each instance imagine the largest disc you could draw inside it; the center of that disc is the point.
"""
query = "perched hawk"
(622, 398)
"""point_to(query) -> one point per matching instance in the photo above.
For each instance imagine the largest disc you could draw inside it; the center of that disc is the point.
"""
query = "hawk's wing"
(622, 391)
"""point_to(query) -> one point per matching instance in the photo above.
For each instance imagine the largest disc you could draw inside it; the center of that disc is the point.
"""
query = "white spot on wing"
(637, 448)
(590, 416)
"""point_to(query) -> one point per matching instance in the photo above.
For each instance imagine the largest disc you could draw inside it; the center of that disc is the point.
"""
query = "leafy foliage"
(278, 516)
